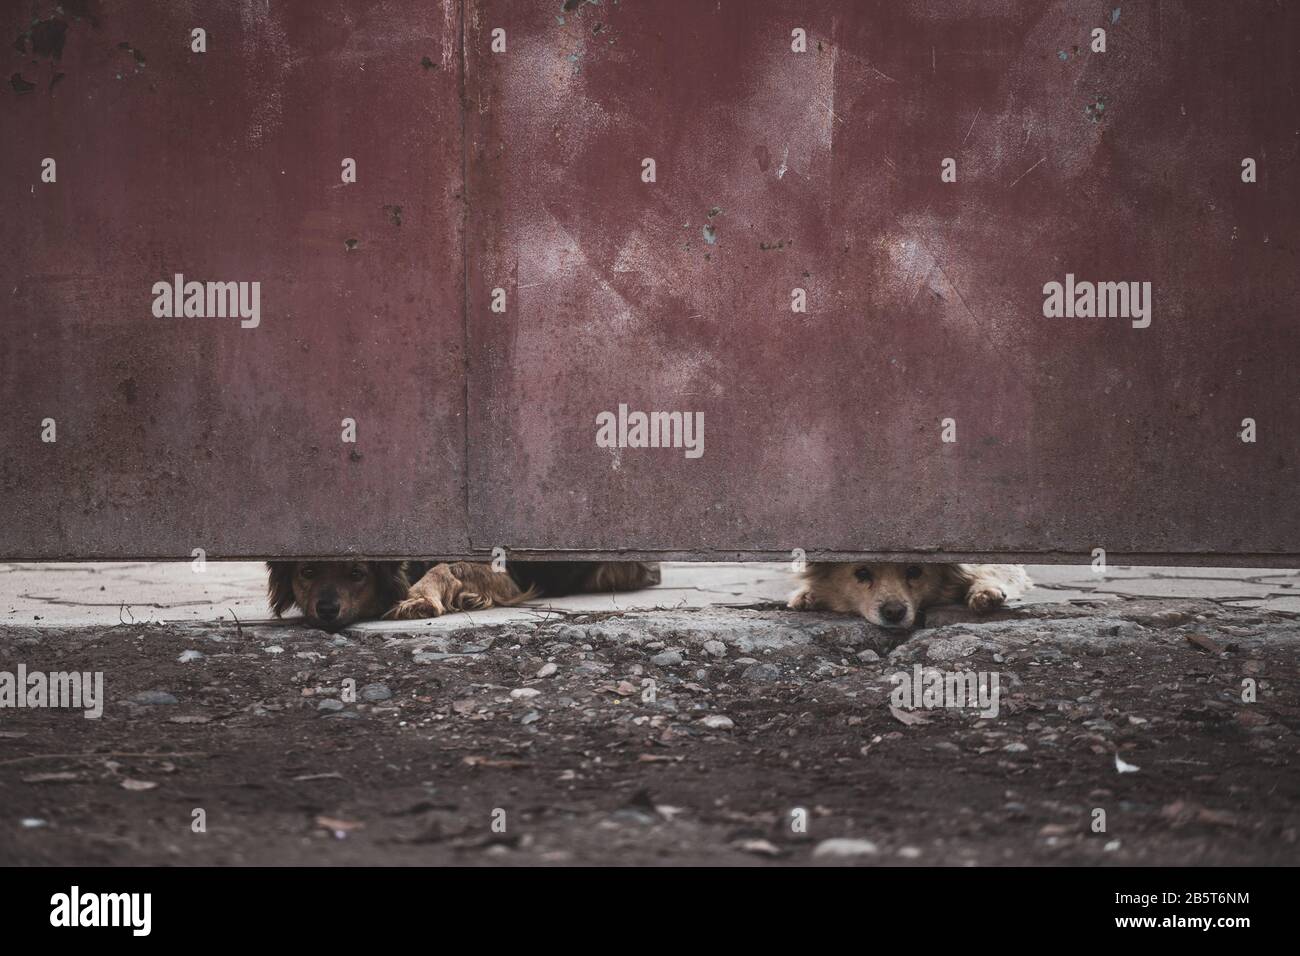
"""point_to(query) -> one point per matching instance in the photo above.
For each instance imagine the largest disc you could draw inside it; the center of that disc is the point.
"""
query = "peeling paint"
(136, 55)
(48, 37)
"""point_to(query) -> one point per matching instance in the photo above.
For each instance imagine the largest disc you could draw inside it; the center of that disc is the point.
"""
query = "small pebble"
(843, 846)
(761, 672)
(153, 697)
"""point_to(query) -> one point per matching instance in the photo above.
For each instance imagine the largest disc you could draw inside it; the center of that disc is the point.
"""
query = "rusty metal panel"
(776, 170)
(779, 170)
(226, 165)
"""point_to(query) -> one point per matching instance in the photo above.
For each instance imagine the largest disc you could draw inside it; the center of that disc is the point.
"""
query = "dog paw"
(802, 600)
(471, 601)
(414, 608)
(986, 599)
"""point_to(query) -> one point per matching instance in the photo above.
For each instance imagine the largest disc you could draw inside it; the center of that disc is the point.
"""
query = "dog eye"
(357, 573)
(914, 571)
(863, 575)
(308, 571)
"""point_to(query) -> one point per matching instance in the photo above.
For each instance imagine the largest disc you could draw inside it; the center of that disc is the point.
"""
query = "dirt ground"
(540, 744)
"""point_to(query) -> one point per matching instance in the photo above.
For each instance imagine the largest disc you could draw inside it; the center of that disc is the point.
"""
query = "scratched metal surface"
(821, 171)
(818, 170)
(175, 434)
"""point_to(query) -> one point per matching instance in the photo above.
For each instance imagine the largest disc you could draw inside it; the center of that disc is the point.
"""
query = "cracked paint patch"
(136, 55)
(46, 38)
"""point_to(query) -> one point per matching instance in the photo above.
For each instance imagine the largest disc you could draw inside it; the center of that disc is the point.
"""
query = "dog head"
(334, 594)
(888, 595)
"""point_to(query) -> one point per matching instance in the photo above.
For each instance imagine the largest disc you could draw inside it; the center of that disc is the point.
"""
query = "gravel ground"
(712, 735)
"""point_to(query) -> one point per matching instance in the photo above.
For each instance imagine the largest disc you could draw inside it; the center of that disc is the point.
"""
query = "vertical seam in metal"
(462, 93)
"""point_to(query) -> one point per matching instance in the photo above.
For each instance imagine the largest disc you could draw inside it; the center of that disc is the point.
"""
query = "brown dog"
(896, 595)
(334, 594)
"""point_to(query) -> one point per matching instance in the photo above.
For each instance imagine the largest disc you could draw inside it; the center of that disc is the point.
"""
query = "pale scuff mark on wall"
(263, 41)
(792, 108)
(919, 263)
(450, 15)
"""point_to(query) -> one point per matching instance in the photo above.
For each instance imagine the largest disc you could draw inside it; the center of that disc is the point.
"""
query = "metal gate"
(651, 277)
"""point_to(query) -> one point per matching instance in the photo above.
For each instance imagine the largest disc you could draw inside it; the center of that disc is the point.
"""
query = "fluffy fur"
(334, 594)
(896, 595)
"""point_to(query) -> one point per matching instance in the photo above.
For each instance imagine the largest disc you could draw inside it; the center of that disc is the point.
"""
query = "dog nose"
(893, 611)
(327, 610)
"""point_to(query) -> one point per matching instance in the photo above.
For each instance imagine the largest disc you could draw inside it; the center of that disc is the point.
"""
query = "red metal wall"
(521, 170)
(174, 434)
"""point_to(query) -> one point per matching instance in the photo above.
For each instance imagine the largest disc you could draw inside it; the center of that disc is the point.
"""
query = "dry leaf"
(338, 826)
(911, 718)
(474, 761)
(1183, 812)
(1204, 643)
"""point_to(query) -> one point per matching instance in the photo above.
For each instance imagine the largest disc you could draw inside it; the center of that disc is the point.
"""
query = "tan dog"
(474, 586)
(896, 595)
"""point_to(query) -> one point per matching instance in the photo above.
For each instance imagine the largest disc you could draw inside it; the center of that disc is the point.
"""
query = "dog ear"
(820, 572)
(391, 584)
(279, 585)
(955, 582)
